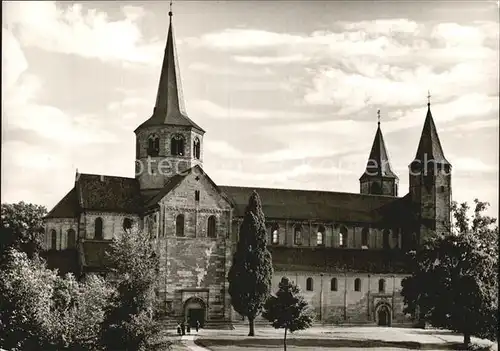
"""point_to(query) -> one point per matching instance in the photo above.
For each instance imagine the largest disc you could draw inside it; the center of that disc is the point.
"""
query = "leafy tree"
(40, 310)
(130, 320)
(454, 283)
(22, 228)
(288, 309)
(251, 272)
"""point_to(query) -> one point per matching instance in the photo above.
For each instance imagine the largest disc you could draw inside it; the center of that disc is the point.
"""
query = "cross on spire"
(170, 12)
(378, 117)
(428, 98)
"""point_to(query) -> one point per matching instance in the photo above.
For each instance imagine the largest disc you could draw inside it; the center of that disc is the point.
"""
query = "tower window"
(297, 235)
(333, 284)
(196, 148)
(343, 237)
(177, 145)
(364, 236)
(357, 284)
(376, 189)
(179, 225)
(441, 188)
(153, 145)
(98, 228)
(381, 285)
(196, 195)
(320, 236)
(275, 235)
(309, 284)
(211, 227)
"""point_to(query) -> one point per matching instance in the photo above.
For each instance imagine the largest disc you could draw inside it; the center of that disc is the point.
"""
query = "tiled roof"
(329, 259)
(378, 163)
(310, 205)
(66, 208)
(429, 147)
(108, 193)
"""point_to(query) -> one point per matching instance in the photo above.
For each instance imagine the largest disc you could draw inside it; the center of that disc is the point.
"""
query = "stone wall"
(112, 223)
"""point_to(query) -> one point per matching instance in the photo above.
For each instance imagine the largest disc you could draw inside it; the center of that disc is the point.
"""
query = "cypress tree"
(251, 272)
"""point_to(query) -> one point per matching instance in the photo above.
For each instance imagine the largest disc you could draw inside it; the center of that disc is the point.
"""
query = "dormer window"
(177, 145)
(153, 145)
(196, 148)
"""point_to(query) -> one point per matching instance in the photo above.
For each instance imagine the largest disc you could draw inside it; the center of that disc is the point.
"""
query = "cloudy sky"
(286, 91)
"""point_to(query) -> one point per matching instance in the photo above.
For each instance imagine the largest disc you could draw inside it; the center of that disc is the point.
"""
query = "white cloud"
(223, 149)
(269, 60)
(92, 34)
(469, 164)
(384, 26)
(472, 126)
(228, 71)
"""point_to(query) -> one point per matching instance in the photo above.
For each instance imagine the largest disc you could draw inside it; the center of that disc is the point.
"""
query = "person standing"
(178, 328)
(183, 328)
(197, 325)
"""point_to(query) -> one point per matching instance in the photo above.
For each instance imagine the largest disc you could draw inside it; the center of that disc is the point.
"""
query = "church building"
(345, 250)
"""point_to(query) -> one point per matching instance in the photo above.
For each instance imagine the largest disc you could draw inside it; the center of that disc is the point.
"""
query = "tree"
(22, 228)
(40, 310)
(251, 272)
(130, 320)
(454, 283)
(288, 309)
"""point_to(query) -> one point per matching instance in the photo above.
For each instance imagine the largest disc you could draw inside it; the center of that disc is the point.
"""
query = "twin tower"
(169, 143)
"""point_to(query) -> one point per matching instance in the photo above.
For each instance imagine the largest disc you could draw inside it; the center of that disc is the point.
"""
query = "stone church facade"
(345, 250)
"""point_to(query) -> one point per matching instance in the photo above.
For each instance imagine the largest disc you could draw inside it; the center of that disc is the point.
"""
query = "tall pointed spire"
(169, 106)
(429, 147)
(378, 164)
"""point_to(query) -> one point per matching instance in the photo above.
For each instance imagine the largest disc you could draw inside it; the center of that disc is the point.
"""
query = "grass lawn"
(335, 338)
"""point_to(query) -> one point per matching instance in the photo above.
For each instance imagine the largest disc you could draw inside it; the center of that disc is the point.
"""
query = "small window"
(343, 237)
(275, 235)
(196, 195)
(127, 224)
(441, 188)
(333, 284)
(381, 285)
(53, 239)
(364, 237)
(386, 235)
(309, 284)
(177, 145)
(297, 235)
(357, 284)
(71, 239)
(320, 236)
(179, 225)
(98, 228)
(153, 145)
(211, 227)
(196, 148)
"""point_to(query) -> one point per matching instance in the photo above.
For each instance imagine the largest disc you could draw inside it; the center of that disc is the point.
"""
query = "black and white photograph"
(248, 175)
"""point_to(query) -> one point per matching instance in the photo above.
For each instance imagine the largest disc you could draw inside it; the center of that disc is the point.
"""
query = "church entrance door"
(194, 310)
(384, 316)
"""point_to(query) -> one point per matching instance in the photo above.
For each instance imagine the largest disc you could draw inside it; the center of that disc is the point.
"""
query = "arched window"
(211, 227)
(98, 228)
(309, 284)
(53, 239)
(153, 145)
(320, 236)
(196, 148)
(179, 225)
(381, 285)
(386, 236)
(364, 236)
(275, 234)
(71, 239)
(343, 237)
(333, 284)
(376, 189)
(177, 145)
(357, 284)
(297, 234)
(127, 223)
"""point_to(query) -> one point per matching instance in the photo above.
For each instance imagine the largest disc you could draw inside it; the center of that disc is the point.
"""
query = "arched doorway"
(384, 316)
(194, 310)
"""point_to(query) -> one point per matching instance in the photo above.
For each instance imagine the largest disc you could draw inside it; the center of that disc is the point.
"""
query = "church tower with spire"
(430, 184)
(169, 142)
(378, 178)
